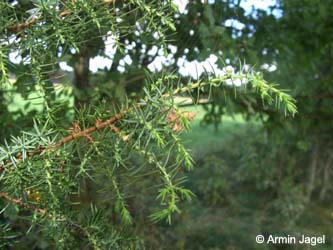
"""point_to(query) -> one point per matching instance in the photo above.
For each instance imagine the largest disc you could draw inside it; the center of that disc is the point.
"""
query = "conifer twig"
(83, 133)
(25, 205)
(21, 26)
(109, 122)
(87, 131)
(38, 210)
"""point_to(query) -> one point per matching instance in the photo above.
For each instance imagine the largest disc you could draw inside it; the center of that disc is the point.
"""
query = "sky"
(246, 4)
(192, 68)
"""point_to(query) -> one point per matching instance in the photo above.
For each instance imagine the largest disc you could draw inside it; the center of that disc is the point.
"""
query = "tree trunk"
(326, 178)
(313, 169)
(81, 81)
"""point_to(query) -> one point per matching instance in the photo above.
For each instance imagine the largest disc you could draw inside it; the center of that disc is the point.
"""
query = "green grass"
(203, 139)
(34, 100)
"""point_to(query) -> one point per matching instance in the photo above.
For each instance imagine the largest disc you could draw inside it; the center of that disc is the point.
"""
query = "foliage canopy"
(78, 180)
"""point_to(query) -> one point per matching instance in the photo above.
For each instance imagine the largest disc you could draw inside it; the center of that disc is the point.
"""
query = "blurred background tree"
(280, 179)
(259, 173)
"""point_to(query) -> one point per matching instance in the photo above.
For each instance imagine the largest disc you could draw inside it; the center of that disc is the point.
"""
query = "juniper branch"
(263, 87)
(21, 26)
(155, 98)
(25, 205)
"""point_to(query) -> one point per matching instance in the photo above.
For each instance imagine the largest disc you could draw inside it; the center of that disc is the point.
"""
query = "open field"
(203, 139)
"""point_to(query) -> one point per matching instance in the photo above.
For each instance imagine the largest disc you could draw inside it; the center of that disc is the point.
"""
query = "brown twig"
(21, 26)
(82, 133)
(25, 205)
(87, 131)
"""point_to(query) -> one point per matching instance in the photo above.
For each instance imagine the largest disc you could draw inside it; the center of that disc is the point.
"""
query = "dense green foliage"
(99, 162)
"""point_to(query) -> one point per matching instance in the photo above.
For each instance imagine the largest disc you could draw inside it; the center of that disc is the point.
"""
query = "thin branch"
(21, 26)
(187, 102)
(87, 131)
(40, 211)
(84, 133)
(25, 205)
